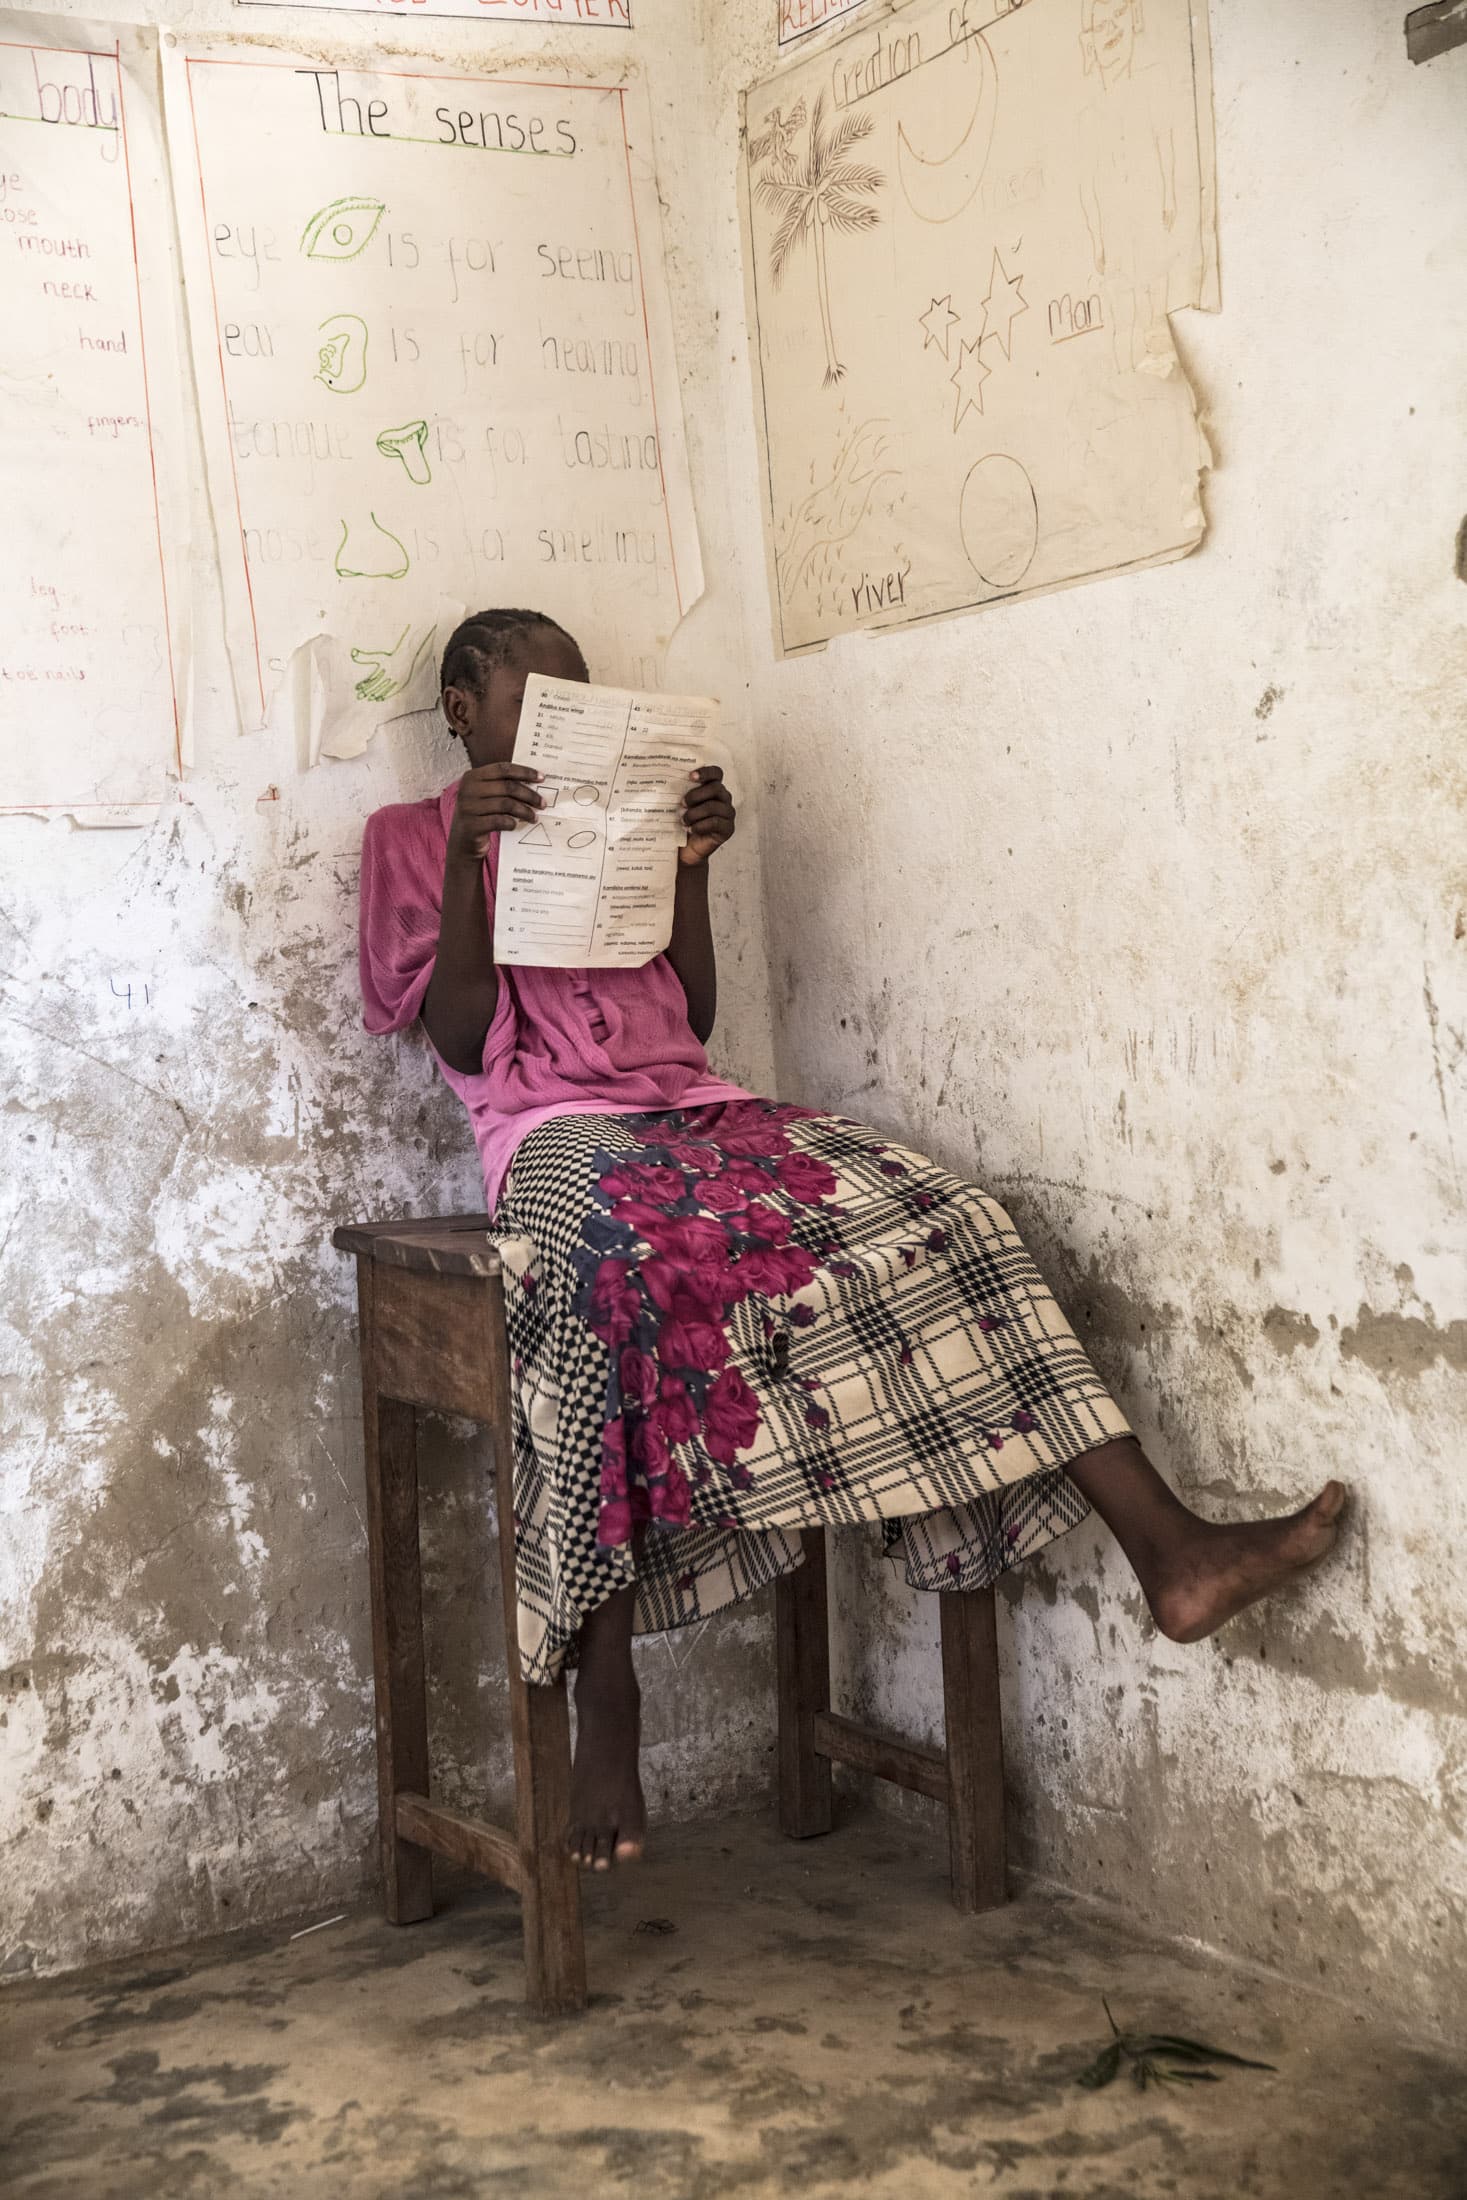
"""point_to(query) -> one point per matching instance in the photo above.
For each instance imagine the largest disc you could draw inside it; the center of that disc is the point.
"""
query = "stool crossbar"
(430, 1298)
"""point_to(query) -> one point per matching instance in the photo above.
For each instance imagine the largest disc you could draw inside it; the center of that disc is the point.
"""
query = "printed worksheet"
(590, 884)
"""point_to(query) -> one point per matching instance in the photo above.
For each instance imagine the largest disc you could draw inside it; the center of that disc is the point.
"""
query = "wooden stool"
(967, 1776)
(431, 1303)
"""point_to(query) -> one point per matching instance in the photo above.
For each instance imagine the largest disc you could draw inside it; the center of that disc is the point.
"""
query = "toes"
(601, 1860)
(628, 1848)
(1330, 1502)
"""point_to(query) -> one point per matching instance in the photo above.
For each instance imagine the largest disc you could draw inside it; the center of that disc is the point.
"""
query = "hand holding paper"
(492, 798)
(590, 884)
(708, 814)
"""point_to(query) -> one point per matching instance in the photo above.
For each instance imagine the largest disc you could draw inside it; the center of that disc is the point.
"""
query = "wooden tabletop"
(442, 1245)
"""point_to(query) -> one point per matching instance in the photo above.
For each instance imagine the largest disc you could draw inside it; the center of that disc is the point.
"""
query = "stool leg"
(555, 1949)
(802, 1648)
(391, 1456)
(974, 1748)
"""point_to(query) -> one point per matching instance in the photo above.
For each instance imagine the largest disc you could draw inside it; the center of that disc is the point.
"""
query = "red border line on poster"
(798, 18)
(113, 54)
(427, 76)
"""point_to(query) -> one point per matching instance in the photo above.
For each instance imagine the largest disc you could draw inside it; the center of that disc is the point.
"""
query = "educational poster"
(964, 230)
(578, 15)
(432, 347)
(90, 666)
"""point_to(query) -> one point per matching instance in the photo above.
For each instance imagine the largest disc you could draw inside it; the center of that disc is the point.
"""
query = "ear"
(1138, 16)
(1087, 52)
(455, 711)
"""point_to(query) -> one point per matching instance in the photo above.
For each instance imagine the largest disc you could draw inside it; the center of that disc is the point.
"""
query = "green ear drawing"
(374, 553)
(343, 229)
(343, 353)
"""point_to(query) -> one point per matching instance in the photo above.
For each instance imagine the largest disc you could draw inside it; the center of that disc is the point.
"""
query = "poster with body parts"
(92, 643)
(965, 227)
(435, 369)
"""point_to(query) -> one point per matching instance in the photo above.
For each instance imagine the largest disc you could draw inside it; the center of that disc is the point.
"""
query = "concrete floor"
(817, 2020)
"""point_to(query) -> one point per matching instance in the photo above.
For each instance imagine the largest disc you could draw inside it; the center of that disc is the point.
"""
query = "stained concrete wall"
(1146, 904)
(185, 1722)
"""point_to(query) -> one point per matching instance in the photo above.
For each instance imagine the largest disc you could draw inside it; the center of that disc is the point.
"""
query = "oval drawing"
(587, 794)
(998, 517)
(581, 840)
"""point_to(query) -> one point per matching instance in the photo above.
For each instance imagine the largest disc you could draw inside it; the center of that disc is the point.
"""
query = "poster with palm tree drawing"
(966, 227)
(821, 192)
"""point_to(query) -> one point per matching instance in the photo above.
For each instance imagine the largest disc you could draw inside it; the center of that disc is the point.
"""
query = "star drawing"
(937, 323)
(968, 378)
(1002, 307)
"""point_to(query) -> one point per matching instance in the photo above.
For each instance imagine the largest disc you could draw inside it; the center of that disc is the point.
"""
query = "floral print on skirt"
(732, 1323)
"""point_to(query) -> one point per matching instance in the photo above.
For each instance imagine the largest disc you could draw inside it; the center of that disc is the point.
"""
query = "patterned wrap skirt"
(730, 1324)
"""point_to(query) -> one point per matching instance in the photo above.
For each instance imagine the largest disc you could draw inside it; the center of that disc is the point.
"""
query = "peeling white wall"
(1146, 904)
(185, 1692)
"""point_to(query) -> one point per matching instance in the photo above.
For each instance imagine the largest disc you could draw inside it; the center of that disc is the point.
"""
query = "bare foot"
(1217, 1570)
(608, 1817)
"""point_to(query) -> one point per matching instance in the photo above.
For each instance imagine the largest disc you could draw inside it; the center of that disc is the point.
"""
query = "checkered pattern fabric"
(923, 1376)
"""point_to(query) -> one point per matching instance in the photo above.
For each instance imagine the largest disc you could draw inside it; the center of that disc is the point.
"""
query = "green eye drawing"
(343, 229)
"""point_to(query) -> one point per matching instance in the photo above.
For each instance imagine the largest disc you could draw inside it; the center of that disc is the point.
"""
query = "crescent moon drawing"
(937, 186)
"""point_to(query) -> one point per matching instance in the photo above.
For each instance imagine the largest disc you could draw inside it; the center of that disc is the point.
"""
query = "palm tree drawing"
(827, 190)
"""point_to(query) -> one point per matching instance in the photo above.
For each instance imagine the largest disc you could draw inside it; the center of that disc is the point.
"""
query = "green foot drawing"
(374, 550)
(343, 229)
(410, 444)
(393, 669)
(343, 353)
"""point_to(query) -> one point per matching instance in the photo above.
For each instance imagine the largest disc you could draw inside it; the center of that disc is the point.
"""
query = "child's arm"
(709, 816)
(461, 998)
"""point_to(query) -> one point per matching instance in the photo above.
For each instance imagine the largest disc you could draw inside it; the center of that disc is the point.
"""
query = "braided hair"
(493, 638)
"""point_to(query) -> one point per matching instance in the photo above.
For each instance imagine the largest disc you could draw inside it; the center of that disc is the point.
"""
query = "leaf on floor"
(1159, 2058)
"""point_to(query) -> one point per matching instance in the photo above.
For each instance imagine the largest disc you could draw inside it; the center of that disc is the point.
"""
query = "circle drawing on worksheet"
(998, 517)
(586, 794)
(581, 840)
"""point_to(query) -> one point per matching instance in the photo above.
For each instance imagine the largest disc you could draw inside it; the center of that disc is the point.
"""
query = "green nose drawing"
(374, 556)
